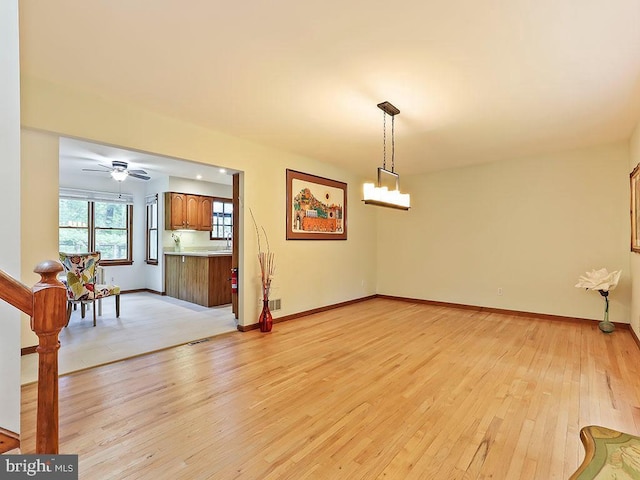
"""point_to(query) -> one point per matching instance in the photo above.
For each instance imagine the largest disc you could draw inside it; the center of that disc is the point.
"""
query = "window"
(152, 230)
(89, 222)
(73, 234)
(222, 223)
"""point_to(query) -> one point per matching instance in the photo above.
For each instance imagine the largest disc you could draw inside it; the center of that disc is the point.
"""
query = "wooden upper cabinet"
(175, 208)
(192, 214)
(206, 213)
(188, 212)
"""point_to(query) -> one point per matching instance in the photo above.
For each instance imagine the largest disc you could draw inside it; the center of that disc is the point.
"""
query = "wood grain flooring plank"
(378, 389)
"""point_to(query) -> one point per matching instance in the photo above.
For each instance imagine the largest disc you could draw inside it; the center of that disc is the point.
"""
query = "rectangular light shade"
(384, 197)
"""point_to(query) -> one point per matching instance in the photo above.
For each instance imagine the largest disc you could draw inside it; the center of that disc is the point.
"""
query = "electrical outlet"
(500, 291)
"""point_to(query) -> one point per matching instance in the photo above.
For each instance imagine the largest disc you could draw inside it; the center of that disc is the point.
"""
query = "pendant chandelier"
(387, 192)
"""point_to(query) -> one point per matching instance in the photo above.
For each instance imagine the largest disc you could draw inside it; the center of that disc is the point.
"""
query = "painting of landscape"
(316, 207)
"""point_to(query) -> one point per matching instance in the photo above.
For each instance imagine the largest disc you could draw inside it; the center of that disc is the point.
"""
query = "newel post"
(49, 317)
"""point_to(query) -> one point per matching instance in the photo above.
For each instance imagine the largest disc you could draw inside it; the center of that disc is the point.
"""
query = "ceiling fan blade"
(139, 172)
(94, 170)
(136, 175)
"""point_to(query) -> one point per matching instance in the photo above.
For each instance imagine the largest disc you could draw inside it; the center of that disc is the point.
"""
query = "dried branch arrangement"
(266, 259)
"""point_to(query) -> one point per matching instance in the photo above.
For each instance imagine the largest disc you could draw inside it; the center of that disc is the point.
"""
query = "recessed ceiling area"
(474, 81)
(77, 155)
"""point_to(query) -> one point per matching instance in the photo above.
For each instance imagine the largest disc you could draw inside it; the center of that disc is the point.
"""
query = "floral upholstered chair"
(80, 270)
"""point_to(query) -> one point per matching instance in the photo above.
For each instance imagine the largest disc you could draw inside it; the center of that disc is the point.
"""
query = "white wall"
(196, 187)
(634, 260)
(309, 274)
(530, 227)
(10, 199)
(39, 174)
(154, 276)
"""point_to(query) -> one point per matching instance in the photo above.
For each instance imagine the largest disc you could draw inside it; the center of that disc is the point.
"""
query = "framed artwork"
(635, 209)
(316, 207)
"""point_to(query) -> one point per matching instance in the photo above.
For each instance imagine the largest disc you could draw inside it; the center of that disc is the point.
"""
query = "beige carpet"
(147, 323)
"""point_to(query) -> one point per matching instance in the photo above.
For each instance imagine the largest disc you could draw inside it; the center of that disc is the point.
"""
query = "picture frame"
(316, 207)
(635, 209)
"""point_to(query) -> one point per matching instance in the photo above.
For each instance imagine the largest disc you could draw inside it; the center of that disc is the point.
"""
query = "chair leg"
(118, 306)
(93, 307)
(83, 309)
(69, 313)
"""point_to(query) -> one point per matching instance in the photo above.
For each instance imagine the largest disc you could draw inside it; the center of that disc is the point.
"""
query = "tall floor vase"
(266, 320)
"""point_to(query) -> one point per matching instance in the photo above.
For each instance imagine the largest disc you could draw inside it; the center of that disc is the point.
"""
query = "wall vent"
(275, 304)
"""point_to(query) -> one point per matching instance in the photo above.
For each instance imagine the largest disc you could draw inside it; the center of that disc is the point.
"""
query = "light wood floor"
(379, 389)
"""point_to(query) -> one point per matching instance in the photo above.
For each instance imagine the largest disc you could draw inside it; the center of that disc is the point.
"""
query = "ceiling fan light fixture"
(119, 175)
(387, 191)
(119, 171)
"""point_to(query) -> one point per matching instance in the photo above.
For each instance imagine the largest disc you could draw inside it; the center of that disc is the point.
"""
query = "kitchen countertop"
(202, 253)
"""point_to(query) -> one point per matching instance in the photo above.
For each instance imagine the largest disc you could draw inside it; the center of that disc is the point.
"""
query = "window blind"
(90, 195)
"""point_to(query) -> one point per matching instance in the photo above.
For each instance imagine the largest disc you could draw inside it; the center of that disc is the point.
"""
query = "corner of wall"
(634, 260)
(11, 221)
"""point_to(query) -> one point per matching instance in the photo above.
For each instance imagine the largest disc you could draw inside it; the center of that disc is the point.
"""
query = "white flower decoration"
(599, 280)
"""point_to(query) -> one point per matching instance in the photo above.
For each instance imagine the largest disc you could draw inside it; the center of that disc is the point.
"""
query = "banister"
(8, 440)
(48, 318)
(16, 293)
(46, 303)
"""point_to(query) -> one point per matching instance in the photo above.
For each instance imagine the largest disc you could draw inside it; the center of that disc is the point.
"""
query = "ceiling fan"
(119, 171)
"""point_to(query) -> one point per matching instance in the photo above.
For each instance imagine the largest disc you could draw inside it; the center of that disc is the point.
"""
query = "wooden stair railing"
(46, 304)
(8, 440)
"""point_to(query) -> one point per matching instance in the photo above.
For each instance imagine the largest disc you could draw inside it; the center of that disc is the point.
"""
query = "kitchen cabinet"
(198, 278)
(205, 209)
(185, 211)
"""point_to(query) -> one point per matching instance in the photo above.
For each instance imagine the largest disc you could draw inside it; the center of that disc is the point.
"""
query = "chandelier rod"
(384, 140)
(392, 111)
(393, 144)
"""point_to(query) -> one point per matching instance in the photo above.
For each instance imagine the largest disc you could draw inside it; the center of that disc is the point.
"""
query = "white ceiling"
(474, 81)
(77, 155)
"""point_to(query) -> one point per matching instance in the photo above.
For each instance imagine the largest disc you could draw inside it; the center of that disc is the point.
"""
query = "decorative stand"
(606, 326)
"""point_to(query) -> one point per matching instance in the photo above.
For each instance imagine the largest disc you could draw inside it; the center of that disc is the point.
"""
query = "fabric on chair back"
(81, 274)
(81, 270)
